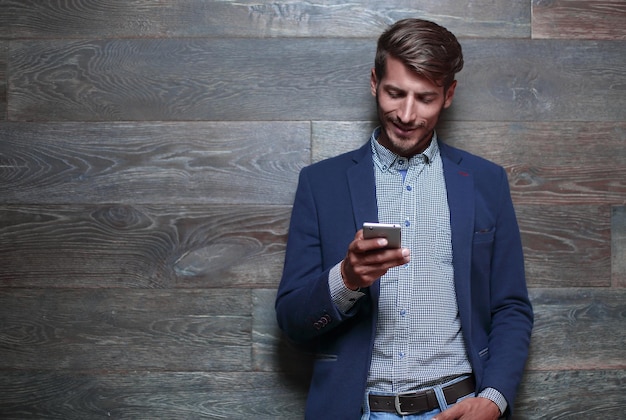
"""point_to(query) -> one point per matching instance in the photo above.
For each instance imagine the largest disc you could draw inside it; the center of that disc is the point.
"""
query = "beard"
(403, 139)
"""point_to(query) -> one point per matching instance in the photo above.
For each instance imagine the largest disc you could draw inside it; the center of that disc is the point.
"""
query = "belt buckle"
(396, 403)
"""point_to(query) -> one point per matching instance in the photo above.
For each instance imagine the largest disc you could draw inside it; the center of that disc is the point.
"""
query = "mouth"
(405, 131)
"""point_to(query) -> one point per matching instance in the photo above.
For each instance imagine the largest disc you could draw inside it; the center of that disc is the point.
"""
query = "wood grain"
(149, 153)
(95, 246)
(122, 330)
(572, 395)
(566, 246)
(618, 246)
(65, 395)
(190, 162)
(188, 79)
(569, 325)
(271, 350)
(300, 80)
(250, 18)
(574, 19)
(148, 395)
(4, 51)
(581, 316)
(551, 162)
(541, 80)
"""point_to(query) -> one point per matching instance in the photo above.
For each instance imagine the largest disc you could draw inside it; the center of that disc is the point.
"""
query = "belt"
(417, 402)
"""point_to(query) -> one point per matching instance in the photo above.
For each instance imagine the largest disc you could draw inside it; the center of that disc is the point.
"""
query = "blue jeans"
(443, 405)
(393, 416)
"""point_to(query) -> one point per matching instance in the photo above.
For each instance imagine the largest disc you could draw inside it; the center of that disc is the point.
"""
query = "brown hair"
(430, 50)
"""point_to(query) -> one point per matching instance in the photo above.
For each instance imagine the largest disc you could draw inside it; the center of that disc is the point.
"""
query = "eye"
(394, 94)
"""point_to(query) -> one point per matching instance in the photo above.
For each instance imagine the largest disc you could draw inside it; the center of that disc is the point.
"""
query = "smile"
(405, 130)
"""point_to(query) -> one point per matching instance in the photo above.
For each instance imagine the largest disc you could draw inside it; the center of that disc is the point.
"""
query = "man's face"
(409, 107)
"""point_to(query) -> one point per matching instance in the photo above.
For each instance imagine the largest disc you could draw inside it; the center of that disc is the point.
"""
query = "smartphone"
(391, 231)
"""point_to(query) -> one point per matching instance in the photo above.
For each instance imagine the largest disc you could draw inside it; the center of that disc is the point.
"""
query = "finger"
(379, 258)
(360, 244)
(452, 413)
(365, 268)
(445, 415)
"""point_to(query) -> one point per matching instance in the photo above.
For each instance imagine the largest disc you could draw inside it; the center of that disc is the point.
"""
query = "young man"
(440, 327)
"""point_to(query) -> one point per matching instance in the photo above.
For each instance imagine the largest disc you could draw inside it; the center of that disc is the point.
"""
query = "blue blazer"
(333, 199)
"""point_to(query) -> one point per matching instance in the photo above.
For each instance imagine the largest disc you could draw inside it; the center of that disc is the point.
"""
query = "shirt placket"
(403, 297)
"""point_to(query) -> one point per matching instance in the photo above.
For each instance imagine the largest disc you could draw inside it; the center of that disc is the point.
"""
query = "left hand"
(475, 408)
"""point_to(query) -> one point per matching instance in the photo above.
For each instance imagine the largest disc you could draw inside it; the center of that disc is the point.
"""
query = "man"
(440, 327)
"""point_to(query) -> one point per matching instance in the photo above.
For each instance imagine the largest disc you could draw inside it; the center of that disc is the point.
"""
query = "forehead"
(399, 75)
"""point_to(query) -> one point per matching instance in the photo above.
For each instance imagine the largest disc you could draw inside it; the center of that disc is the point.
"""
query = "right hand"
(368, 259)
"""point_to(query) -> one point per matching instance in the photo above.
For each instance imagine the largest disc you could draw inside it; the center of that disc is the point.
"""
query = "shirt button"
(407, 223)
(408, 188)
(401, 354)
(403, 312)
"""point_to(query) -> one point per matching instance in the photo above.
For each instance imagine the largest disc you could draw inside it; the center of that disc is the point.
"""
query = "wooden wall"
(149, 153)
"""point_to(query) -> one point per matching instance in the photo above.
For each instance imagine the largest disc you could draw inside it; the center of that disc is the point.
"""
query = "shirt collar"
(385, 159)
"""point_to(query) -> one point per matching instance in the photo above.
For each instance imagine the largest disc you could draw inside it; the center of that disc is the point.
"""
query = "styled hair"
(427, 48)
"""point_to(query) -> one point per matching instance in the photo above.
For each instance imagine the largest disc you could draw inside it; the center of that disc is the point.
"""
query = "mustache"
(402, 125)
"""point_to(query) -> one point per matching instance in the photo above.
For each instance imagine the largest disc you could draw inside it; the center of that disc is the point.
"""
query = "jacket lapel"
(362, 185)
(460, 188)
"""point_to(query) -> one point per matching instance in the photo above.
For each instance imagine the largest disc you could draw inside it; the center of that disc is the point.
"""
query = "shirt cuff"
(342, 297)
(495, 396)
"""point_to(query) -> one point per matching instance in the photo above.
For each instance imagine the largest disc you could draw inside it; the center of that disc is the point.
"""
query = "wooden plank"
(122, 330)
(572, 395)
(551, 162)
(4, 51)
(575, 19)
(87, 246)
(191, 162)
(541, 80)
(148, 395)
(568, 326)
(187, 79)
(300, 79)
(271, 350)
(566, 246)
(618, 246)
(547, 162)
(251, 18)
(62, 395)
(578, 329)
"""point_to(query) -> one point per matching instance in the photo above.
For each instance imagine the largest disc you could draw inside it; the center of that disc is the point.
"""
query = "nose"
(407, 112)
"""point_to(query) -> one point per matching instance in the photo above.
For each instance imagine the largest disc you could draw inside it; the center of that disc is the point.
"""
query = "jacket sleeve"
(304, 307)
(510, 309)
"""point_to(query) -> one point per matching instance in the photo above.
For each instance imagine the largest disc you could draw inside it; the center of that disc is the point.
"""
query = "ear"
(373, 82)
(449, 95)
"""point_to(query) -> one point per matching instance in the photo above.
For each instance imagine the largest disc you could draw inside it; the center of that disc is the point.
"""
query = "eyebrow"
(391, 87)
